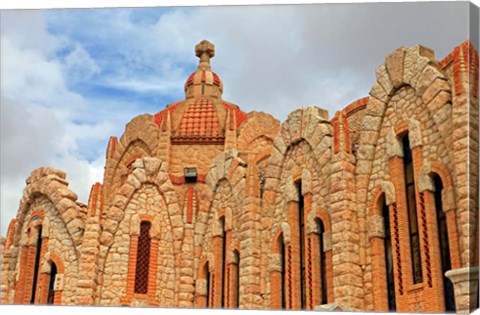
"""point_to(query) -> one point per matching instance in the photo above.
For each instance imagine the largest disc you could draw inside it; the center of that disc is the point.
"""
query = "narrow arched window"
(224, 261)
(51, 284)
(449, 295)
(301, 236)
(143, 258)
(37, 264)
(236, 273)
(412, 211)
(323, 262)
(392, 303)
(281, 245)
(208, 298)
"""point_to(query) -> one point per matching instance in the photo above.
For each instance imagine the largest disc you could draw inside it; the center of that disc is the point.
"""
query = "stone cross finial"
(204, 50)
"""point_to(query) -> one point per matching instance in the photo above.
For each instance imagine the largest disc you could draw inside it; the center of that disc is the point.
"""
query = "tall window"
(392, 303)
(37, 263)
(301, 229)
(51, 283)
(236, 273)
(412, 212)
(143, 258)
(206, 271)
(224, 261)
(283, 258)
(444, 246)
(323, 262)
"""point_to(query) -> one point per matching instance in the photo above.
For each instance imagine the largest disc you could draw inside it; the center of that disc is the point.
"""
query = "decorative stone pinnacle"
(204, 50)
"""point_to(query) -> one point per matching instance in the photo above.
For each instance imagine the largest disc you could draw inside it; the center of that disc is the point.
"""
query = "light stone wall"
(145, 201)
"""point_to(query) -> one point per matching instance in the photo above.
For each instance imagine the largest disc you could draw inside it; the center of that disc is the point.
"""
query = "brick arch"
(51, 184)
(373, 204)
(442, 171)
(280, 233)
(44, 276)
(426, 186)
(321, 214)
(52, 256)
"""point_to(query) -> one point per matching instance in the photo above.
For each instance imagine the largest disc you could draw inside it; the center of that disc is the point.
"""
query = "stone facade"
(203, 205)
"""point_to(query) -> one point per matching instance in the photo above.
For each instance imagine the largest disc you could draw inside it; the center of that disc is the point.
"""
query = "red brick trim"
(112, 145)
(356, 106)
(10, 233)
(149, 297)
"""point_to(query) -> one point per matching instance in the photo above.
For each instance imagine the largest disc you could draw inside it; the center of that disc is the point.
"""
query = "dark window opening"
(36, 265)
(190, 174)
(143, 258)
(449, 295)
(284, 276)
(224, 262)
(51, 284)
(392, 302)
(301, 236)
(237, 279)
(412, 212)
(323, 262)
(207, 279)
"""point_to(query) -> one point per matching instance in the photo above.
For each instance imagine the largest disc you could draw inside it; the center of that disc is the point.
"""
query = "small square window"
(190, 174)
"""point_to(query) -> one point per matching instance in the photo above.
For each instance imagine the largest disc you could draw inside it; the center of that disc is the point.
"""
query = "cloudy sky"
(71, 78)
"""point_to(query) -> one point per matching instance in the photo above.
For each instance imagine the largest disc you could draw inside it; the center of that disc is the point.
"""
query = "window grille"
(143, 259)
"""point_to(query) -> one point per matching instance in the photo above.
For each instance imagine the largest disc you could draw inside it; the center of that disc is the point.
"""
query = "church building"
(203, 205)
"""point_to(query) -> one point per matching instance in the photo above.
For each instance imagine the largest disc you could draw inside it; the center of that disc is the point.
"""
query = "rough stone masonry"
(204, 205)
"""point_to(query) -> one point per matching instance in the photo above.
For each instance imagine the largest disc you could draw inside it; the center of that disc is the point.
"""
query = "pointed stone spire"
(204, 50)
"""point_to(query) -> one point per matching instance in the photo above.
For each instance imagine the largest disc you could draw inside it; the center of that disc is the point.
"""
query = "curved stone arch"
(122, 152)
(258, 124)
(321, 214)
(386, 190)
(275, 240)
(426, 185)
(51, 184)
(227, 166)
(147, 170)
(140, 128)
(306, 124)
(415, 67)
(50, 257)
(136, 220)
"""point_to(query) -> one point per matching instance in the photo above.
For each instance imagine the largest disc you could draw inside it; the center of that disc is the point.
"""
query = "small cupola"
(204, 82)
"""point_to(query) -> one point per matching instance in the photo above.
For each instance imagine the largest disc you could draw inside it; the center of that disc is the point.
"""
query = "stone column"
(465, 284)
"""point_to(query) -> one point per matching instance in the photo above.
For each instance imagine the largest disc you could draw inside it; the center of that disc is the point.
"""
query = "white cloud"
(39, 114)
(79, 65)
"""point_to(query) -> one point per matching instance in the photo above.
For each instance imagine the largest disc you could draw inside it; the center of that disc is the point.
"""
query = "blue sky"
(72, 78)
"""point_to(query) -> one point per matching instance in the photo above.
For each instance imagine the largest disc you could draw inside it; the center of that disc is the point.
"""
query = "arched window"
(278, 298)
(301, 236)
(412, 211)
(143, 258)
(392, 303)
(283, 283)
(51, 283)
(224, 261)
(208, 299)
(37, 263)
(444, 245)
(323, 262)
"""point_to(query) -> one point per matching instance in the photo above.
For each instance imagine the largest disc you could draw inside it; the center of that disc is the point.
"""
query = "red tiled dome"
(199, 123)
